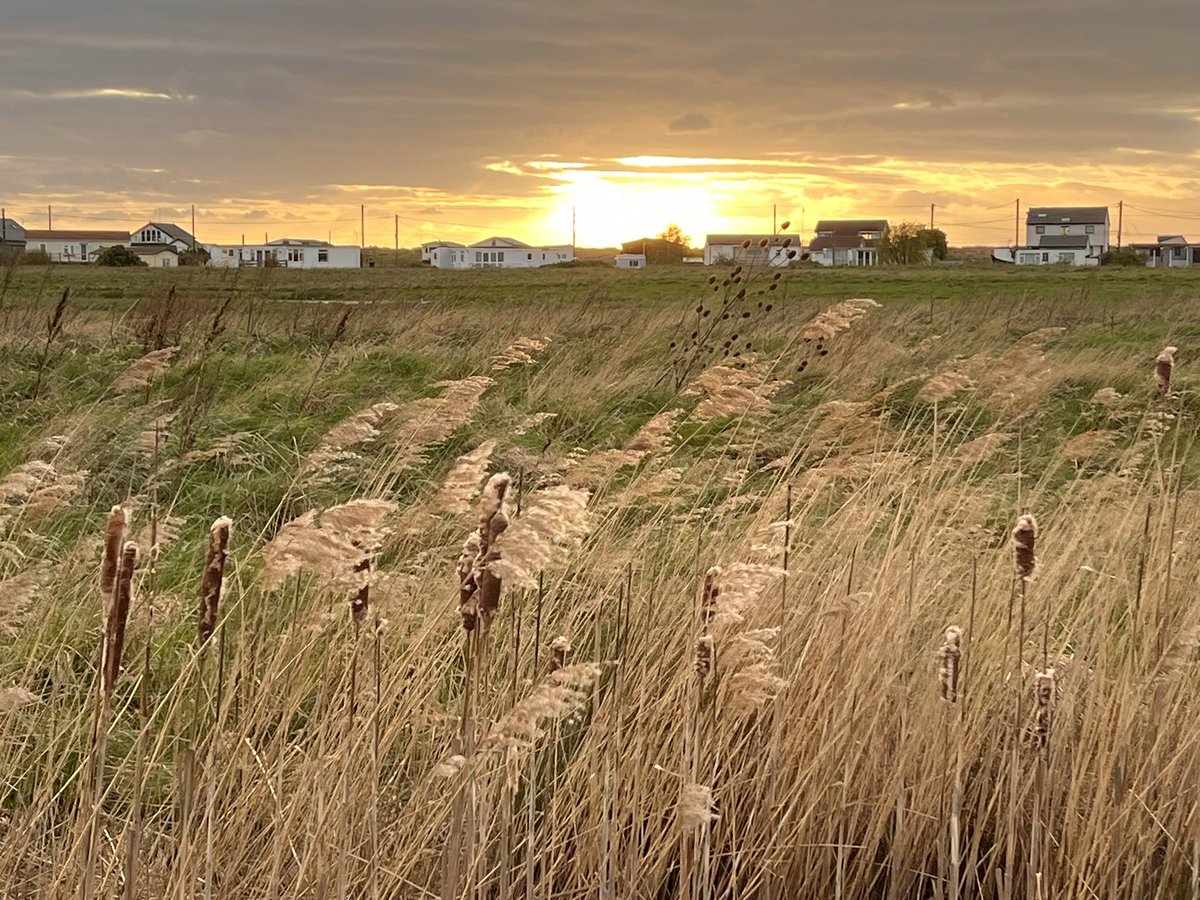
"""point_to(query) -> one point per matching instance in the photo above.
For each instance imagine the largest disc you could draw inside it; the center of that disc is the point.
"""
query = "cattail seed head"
(1024, 543)
(114, 636)
(746, 244)
(704, 655)
(210, 580)
(708, 597)
(1044, 695)
(361, 600)
(559, 648)
(468, 606)
(1164, 366)
(114, 537)
(785, 226)
(950, 656)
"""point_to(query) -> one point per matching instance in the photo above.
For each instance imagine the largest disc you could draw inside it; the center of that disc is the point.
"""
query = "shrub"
(34, 258)
(118, 255)
(1122, 256)
(197, 256)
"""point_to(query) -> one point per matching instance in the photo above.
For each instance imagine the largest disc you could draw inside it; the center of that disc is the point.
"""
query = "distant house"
(658, 251)
(848, 242)
(12, 237)
(631, 260)
(498, 253)
(1071, 235)
(72, 246)
(429, 248)
(1169, 251)
(163, 234)
(292, 253)
(157, 256)
(751, 249)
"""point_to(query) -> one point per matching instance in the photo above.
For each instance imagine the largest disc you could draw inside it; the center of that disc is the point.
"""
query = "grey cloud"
(693, 121)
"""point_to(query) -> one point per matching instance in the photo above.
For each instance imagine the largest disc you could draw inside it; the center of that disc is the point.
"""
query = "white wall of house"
(631, 260)
(500, 257)
(846, 256)
(722, 254)
(1033, 256)
(296, 256)
(162, 258)
(75, 249)
(148, 234)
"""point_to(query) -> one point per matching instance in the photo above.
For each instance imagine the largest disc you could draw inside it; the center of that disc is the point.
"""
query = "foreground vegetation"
(748, 622)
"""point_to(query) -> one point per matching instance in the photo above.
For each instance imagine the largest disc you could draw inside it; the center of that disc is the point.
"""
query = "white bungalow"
(157, 256)
(498, 253)
(751, 249)
(1169, 251)
(72, 245)
(291, 253)
(631, 260)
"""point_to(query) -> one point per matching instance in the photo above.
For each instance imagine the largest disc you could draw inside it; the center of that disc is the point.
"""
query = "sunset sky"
(469, 118)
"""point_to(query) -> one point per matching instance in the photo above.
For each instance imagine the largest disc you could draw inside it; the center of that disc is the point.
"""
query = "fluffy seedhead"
(553, 522)
(944, 386)
(329, 545)
(838, 318)
(565, 691)
(478, 585)
(114, 632)
(114, 539)
(211, 578)
(519, 353)
(15, 595)
(559, 648)
(360, 601)
(144, 371)
(1164, 366)
(462, 482)
(949, 659)
(728, 390)
(696, 807)
(1024, 539)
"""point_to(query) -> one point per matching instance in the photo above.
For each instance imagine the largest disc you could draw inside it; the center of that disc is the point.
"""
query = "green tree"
(118, 255)
(674, 235)
(196, 257)
(909, 244)
(935, 240)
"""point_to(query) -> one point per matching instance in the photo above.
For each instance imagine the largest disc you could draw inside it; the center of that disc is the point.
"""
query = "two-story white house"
(162, 234)
(292, 253)
(73, 245)
(751, 249)
(1070, 235)
(498, 253)
(848, 242)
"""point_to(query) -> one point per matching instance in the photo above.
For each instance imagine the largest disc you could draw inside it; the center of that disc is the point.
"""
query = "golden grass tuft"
(836, 319)
(553, 521)
(463, 480)
(143, 372)
(329, 544)
(519, 353)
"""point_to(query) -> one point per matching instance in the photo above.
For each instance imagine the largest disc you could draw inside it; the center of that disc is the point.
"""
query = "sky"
(466, 118)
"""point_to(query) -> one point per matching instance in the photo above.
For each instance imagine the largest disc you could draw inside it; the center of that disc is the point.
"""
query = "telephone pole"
(193, 226)
(362, 224)
(774, 218)
(572, 230)
(931, 217)
(397, 215)
(49, 218)
(1120, 220)
(1017, 225)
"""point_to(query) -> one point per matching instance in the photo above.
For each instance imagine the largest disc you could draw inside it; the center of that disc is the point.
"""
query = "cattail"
(785, 225)
(949, 656)
(708, 597)
(704, 655)
(361, 600)
(118, 616)
(114, 538)
(1164, 365)
(492, 523)
(1024, 540)
(559, 648)
(468, 606)
(1044, 689)
(210, 581)
(746, 244)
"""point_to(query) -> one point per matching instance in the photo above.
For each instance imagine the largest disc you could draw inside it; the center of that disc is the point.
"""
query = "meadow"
(585, 583)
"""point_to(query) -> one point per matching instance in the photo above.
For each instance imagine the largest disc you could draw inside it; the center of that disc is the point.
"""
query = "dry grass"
(713, 673)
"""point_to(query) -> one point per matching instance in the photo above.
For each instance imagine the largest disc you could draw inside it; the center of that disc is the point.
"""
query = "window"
(1089, 229)
(295, 256)
(1066, 229)
(500, 256)
(1040, 229)
(478, 256)
(529, 256)
(322, 256)
(1045, 257)
(1066, 257)
(1028, 259)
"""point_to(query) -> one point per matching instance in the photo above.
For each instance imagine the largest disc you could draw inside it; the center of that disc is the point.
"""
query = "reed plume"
(142, 372)
(479, 585)
(695, 810)
(329, 544)
(559, 648)
(565, 691)
(519, 353)
(15, 594)
(1164, 367)
(114, 539)
(13, 698)
(210, 580)
(114, 632)
(949, 658)
(1024, 538)
(553, 521)
(462, 481)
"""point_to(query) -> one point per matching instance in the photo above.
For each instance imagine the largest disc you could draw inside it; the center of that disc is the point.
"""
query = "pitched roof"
(430, 245)
(298, 242)
(121, 237)
(502, 243)
(153, 249)
(171, 230)
(776, 240)
(855, 225)
(1063, 241)
(1067, 215)
(12, 231)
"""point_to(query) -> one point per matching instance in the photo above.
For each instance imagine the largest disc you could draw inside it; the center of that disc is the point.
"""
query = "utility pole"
(193, 226)
(774, 218)
(49, 218)
(362, 224)
(1017, 225)
(931, 217)
(397, 215)
(1120, 221)
(572, 230)
(3, 227)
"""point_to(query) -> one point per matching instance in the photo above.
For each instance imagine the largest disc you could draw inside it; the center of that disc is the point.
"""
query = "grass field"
(709, 654)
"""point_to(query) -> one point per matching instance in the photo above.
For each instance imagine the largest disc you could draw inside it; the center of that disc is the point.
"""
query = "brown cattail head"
(361, 600)
(114, 633)
(1044, 691)
(559, 648)
(493, 520)
(704, 655)
(468, 606)
(708, 597)
(785, 225)
(210, 580)
(746, 244)
(114, 537)
(1164, 366)
(1024, 542)
(949, 657)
